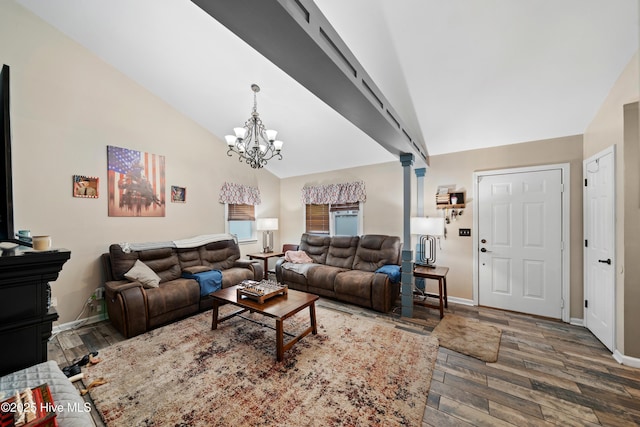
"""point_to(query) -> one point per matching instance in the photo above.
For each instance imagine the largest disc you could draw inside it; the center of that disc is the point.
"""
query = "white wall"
(67, 105)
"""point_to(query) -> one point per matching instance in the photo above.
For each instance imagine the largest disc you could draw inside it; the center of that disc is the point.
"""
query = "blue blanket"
(210, 281)
(393, 271)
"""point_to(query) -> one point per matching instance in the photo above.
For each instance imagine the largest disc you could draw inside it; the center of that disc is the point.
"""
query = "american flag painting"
(136, 183)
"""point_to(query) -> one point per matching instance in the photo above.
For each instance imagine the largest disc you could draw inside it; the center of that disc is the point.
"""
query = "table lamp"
(267, 225)
(428, 229)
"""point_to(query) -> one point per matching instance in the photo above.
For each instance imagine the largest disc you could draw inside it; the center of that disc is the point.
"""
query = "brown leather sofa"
(134, 309)
(344, 268)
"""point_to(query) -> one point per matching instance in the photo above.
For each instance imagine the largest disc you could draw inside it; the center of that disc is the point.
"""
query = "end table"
(264, 256)
(437, 273)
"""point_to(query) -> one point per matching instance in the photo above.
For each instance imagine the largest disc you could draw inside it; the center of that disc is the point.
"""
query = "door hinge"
(586, 243)
(585, 182)
(562, 188)
(586, 304)
(562, 303)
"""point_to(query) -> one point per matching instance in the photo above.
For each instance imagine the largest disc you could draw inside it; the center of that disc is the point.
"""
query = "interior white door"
(599, 230)
(520, 242)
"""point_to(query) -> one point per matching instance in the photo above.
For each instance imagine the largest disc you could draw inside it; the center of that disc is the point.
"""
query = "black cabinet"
(25, 316)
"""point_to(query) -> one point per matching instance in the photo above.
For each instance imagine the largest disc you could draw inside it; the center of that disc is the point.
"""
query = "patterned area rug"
(469, 336)
(355, 372)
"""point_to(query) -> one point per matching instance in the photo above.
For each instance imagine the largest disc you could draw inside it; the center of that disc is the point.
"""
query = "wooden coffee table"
(279, 307)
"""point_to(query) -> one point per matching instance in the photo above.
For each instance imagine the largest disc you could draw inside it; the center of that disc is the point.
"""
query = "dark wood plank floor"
(547, 373)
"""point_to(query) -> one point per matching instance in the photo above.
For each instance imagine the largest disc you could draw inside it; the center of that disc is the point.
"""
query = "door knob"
(605, 261)
(484, 250)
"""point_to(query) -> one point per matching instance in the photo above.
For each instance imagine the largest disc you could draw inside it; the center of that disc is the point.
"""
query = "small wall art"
(178, 194)
(85, 186)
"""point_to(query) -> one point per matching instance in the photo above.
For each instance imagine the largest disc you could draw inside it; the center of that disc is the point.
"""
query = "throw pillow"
(297, 257)
(143, 274)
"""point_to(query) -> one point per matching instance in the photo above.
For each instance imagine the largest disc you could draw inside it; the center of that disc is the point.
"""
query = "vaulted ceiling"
(459, 74)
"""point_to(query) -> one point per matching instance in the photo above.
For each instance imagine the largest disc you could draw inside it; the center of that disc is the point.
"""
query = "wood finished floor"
(547, 373)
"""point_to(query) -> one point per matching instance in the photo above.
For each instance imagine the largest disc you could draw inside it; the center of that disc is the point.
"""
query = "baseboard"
(576, 322)
(634, 362)
(462, 301)
(77, 323)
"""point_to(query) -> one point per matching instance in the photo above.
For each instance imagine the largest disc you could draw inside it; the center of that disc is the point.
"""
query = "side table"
(437, 273)
(265, 259)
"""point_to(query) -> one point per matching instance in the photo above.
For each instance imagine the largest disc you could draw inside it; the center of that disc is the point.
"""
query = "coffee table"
(279, 307)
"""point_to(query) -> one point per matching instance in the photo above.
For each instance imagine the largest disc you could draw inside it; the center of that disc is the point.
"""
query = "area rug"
(354, 372)
(469, 336)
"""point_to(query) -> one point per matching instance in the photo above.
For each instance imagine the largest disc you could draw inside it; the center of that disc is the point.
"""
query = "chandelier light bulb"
(271, 135)
(277, 145)
(231, 140)
(241, 133)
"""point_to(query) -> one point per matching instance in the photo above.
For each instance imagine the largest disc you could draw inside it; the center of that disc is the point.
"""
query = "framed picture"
(178, 194)
(136, 183)
(85, 186)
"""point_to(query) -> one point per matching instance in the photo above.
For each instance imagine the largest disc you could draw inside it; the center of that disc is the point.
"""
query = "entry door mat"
(469, 336)
(355, 372)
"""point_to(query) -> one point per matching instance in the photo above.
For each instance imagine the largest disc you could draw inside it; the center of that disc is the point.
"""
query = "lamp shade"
(427, 226)
(266, 224)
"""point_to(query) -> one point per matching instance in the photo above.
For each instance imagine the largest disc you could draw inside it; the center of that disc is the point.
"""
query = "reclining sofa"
(347, 268)
(135, 307)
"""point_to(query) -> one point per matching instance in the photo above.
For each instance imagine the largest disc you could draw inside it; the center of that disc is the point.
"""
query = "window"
(317, 219)
(343, 219)
(241, 221)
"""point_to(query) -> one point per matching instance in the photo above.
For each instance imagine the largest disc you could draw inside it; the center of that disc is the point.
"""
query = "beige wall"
(67, 105)
(458, 168)
(383, 210)
(605, 130)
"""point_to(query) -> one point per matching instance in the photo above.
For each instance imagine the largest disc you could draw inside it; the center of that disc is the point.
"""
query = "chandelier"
(253, 143)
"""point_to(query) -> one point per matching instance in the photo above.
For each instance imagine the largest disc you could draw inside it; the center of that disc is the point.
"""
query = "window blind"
(241, 212)
(317, 219)
(344, 207)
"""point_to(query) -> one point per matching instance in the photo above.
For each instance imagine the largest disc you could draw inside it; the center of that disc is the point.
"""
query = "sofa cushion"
(189, 257)
(173, 295)
(342, 251)
(233, 276)
(163, 261)
(219, 255)
(140, 272)
(323, 276)
(315, 246)
(375, 250)
(354, 286)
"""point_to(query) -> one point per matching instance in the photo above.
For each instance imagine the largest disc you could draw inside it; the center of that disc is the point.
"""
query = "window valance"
(351, 192)
(239, 194)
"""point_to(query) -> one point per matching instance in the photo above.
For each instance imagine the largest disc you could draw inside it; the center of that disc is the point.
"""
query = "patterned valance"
(239, 194)
(350, 192)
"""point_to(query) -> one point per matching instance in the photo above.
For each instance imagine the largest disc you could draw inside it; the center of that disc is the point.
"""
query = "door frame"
(609, 150)
(565, 170)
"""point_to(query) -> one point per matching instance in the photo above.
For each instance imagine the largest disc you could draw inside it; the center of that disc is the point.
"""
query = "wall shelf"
(443, 201)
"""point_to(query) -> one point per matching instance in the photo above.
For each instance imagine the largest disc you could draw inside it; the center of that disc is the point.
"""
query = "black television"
(6, 187)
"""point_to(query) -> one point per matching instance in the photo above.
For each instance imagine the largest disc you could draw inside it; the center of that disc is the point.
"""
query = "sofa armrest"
(114, 287)
(127, 307)
(255, 266)
(383, 293)
(278, 268)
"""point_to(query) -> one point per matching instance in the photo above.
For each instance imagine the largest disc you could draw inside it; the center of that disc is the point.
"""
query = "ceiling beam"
(296, 37)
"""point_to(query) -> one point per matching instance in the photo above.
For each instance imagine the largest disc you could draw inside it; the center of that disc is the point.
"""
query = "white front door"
(520, 242)
(599, 233)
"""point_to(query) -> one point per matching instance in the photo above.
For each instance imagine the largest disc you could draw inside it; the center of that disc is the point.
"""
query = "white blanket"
(298, 268)
(192, 242)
